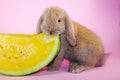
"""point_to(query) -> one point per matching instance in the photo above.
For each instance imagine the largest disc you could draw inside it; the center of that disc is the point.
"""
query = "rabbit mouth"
(53, 33)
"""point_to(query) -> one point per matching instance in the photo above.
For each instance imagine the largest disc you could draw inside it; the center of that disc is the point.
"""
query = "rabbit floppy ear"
(38, 29)
(70, 31)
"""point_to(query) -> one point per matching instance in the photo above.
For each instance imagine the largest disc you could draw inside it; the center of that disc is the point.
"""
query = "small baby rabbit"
(81, 46)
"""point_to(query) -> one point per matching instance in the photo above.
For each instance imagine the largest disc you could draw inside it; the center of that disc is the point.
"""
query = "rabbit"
(80, 45)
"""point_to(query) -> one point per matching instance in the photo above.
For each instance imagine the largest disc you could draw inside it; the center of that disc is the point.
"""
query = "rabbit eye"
(59, 20)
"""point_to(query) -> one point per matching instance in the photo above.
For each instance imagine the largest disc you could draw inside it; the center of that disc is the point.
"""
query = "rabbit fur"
(81, 46)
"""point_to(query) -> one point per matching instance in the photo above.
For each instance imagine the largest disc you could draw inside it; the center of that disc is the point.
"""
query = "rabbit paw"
(77, 68)
(53, 68)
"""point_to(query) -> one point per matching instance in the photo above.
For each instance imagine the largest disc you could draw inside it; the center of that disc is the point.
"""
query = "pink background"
(102, 16)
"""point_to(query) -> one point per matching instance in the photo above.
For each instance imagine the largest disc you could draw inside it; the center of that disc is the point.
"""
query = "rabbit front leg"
(55, 64)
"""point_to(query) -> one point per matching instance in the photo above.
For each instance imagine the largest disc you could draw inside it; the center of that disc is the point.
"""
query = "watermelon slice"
(22, 54)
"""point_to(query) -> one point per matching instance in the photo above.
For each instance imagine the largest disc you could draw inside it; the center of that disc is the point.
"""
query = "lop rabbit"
(80, 45)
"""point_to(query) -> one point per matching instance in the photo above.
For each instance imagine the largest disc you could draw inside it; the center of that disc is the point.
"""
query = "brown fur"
(81, 46)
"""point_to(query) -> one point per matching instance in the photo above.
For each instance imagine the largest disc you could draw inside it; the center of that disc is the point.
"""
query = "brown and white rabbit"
(81, 46)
